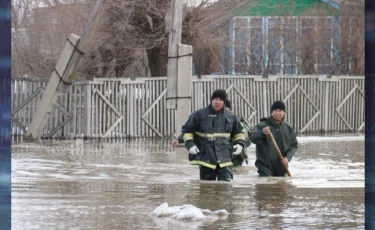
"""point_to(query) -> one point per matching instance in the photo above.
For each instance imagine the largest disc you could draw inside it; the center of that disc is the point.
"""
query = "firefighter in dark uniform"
(180, 139)
(212, 135)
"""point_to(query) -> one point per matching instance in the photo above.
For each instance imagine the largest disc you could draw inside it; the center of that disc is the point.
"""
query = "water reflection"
(271, 202)
(215, 196)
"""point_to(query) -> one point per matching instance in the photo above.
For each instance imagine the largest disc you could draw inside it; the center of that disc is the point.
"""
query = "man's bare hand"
(285, 162)
(174, 143)
(266, 130)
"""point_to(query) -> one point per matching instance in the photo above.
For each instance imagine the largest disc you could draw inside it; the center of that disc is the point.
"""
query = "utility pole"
(174, 40)
(179, 69)
(63, 73)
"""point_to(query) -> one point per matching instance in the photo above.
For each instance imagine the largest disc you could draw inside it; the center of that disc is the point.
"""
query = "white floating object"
(188, 212)
(160, 209)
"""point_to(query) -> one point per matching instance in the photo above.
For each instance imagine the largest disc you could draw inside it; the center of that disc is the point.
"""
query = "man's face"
(217, 104)
(278, 114)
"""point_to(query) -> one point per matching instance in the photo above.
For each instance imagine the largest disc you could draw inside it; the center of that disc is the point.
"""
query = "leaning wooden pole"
(278, 152)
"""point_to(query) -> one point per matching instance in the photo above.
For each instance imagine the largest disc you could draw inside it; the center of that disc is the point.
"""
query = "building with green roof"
(288, 37)
(290, 8)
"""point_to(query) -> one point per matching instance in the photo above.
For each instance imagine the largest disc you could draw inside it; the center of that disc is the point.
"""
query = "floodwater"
(117, 184)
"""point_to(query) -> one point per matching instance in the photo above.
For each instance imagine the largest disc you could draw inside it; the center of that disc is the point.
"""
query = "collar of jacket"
(214, 111)
(273, 122)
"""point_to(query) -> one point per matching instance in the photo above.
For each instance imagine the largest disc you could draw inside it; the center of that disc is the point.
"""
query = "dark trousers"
(222, 174)
(276, 169)
(265, 173)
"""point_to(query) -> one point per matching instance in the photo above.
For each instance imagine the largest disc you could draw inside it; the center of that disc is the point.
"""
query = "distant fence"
(125, 108)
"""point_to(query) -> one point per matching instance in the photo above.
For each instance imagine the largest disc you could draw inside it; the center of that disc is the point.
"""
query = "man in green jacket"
(248, 130)
(268, 162)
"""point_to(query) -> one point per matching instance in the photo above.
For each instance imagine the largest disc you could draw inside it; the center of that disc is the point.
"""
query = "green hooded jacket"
(267, 159)
(248, 130)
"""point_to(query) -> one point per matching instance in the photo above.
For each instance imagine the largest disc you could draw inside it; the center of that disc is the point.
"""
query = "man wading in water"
(209, 135)
(268, 161)
(239, 159)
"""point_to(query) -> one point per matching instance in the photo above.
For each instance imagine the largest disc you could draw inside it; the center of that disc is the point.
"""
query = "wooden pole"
(278, 152)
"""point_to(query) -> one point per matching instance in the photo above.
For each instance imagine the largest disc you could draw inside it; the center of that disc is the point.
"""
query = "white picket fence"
(125, 108)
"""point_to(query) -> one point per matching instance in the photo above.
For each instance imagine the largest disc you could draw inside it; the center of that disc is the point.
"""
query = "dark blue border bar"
(5, 114)
(370, 114)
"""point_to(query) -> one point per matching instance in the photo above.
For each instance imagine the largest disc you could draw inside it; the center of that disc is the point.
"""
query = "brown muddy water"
(117, 184)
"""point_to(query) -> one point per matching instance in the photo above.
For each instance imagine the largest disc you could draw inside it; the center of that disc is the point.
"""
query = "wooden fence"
(125, 108)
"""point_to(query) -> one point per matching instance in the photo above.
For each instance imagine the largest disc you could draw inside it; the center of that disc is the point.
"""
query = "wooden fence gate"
(105, 108)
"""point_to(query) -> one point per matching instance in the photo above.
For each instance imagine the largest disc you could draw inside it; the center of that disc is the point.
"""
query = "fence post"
(266, 108)
(87, 109)
(326, 108)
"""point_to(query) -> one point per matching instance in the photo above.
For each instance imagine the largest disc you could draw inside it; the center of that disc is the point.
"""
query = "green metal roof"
(288, 8)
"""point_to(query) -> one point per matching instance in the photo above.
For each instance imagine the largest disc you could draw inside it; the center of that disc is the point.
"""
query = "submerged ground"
(117, 184)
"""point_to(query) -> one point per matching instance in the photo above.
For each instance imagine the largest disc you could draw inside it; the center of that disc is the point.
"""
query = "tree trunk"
(158, 61)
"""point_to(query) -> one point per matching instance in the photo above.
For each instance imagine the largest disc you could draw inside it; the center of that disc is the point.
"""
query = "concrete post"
(48, 101)
(174, 41)
(64, 71)
(184, 86)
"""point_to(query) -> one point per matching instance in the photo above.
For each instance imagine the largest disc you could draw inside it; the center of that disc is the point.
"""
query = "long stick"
(279, 153)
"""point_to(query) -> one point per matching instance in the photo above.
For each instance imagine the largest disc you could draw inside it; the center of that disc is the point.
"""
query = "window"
(290, 44)
(286, 45)
(274, 46)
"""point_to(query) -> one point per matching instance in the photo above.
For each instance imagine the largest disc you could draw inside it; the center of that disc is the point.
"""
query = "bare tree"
(40, 29)
(130, 38)
(126, 31)
(123, 29)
